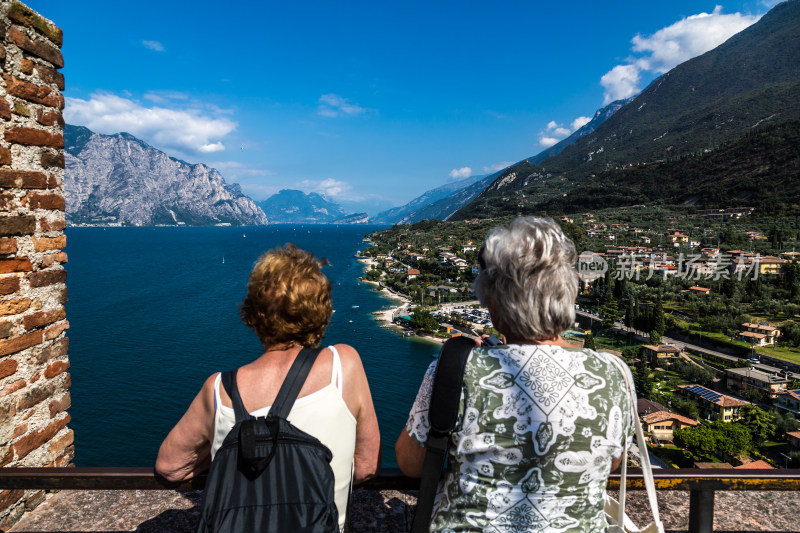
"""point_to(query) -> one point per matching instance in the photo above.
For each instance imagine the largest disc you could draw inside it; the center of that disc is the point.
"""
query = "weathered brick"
(60, 404)
(2, 52)
(48, 118)
(16, 344)
(50, 75)
(34, 439)
(19, 430)
(5, 109)
(5, 156)
(21, 109)
(15, 306)
(10, 497)
(44, 244)
(55, 330)
(54, 259)
(49, 159)
(8, 202)
(8, 245)
(54, 369)
(22, 179)
(26, 66)
(42, 49)
(17, 264)
(13, 387)
(17, 225)
(34, 137)
(32, 501)
(35, 395)
(54, 351)
(49, 224)
(9, 285)
(47, 277)
(62, 296)
(43, 318)
(5, 329)
(58, 444)
(35, 377)
(8, 367)
(53, 202)
(22, 14)
(64, 460)
(39, 94)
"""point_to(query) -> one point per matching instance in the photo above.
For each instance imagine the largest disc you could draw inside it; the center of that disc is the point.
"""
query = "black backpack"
(268, 475)
(442, 415)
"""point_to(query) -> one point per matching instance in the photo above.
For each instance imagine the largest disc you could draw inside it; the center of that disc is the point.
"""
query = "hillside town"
(702, 306)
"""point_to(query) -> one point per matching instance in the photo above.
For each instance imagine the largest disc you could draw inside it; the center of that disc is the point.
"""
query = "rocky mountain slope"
(119, 179)
(750, 81)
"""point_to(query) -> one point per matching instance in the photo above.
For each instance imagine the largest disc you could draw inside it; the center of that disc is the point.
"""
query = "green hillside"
(761, 170)
(750, 81)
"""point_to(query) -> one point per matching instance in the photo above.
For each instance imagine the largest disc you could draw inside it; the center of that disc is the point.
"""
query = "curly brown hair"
(288, 300)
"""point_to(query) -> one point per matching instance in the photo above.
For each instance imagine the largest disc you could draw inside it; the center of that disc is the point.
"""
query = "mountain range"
(296, 207)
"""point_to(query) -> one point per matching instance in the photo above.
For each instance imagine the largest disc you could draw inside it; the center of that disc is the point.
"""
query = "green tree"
(687, 407)
(611, 313)
(759, 422)
(659, 322)
(642, 380)
(700, 440)
(373, 275)
(588, 342)
(655, 337)
(422, 319)
(784, 422)
(733, 439)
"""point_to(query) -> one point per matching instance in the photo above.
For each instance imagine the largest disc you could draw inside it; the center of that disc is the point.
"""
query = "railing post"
(701, 511)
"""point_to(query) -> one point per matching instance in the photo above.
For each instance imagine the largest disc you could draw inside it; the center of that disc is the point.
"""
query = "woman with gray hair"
(541, 423)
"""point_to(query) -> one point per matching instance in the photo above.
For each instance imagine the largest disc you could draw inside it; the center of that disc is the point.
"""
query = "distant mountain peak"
(290, 206)
(121, 180)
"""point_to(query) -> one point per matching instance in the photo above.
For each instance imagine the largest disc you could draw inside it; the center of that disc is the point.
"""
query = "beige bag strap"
(647, 470)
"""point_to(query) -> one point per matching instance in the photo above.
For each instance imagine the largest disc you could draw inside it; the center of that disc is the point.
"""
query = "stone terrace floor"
(373, 511)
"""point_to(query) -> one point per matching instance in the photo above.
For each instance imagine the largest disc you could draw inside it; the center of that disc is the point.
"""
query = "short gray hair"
(528, 276)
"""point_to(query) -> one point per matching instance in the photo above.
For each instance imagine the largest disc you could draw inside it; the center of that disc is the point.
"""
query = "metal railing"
(701, 484)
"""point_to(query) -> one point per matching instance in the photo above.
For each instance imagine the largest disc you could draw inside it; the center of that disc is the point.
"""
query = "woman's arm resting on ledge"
(410, 455)
(186, 450)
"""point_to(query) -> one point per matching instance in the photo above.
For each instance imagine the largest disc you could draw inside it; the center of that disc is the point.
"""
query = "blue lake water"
(154, 311)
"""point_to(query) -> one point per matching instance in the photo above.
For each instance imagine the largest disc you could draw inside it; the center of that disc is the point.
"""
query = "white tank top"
(323, 414)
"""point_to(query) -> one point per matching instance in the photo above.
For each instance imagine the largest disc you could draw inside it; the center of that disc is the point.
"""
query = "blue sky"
(369, 103)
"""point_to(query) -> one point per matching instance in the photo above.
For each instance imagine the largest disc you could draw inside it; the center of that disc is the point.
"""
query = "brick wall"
(34, 380)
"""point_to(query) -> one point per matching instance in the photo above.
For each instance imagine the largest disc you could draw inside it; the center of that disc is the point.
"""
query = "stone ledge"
(373, 511)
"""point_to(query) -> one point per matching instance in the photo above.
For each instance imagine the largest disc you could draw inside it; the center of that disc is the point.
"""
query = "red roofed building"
(662, 424)
(755, 465)
(412, 273)
(794, 439)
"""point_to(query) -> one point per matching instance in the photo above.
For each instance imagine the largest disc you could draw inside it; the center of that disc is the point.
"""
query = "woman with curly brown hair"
(288, 304)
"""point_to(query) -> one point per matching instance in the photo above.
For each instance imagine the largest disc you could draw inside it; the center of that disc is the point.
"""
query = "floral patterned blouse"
(539, 427)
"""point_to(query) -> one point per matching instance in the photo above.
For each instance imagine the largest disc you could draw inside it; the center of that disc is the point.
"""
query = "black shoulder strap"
(229, 382)
(442, 415)
(294, 382)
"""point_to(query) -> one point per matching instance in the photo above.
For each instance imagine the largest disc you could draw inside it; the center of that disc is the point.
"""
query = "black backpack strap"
(294, 382)
(442, 415)
(229, 382)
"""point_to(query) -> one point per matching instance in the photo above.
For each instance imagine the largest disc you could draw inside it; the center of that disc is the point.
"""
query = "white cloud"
(580, 122)
(498, 166)
(162, 97)
(211, 147)
(460, 173)
(556, 132)
(333, 105)
(620, 82)
(153, 45)
(672, 45)
(186, 130)
(547, 142)
(330, 188)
